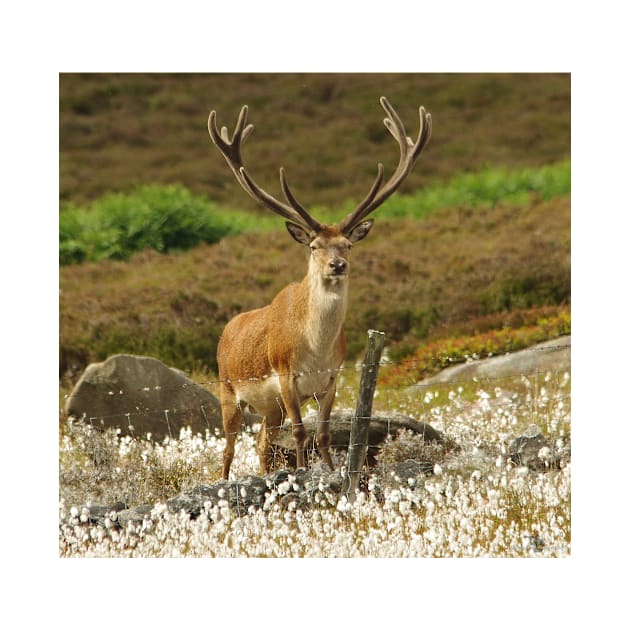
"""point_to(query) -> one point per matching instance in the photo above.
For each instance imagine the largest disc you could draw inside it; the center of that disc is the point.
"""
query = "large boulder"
(340, 424)
(141, 395)
(554, 354)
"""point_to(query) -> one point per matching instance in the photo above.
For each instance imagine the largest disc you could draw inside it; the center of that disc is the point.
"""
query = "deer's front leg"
(323, 424)
(291, 400)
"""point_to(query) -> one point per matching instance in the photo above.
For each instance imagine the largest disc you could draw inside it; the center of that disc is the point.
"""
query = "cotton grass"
(476, 504)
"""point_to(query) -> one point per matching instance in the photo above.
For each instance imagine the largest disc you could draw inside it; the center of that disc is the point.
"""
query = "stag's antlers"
(409, 152)
(231, 150)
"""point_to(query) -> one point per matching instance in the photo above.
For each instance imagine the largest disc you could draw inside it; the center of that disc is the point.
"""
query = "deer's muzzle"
(338, 267)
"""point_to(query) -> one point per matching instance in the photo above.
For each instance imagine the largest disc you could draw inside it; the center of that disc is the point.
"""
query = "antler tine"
(231, 151)
(296, 213)
(295, 204)
(409, 152)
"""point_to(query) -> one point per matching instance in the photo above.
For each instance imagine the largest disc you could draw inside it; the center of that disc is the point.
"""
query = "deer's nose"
(338, 265)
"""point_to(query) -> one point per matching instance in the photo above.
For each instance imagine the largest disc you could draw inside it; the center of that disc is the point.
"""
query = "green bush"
(166, 218)
(487, 187)
(162, 218)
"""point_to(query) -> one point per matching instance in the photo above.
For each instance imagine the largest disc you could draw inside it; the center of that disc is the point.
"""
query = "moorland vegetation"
(159, 246)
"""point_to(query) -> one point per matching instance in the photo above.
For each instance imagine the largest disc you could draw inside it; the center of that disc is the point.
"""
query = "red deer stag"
(273, 359)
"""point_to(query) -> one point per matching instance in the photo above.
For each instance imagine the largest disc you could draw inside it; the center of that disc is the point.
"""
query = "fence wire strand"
(382, 390)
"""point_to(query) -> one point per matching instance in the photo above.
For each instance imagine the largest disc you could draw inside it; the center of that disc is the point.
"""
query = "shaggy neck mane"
(328, 300)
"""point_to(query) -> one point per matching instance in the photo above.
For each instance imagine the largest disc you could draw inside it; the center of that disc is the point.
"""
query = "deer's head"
(329, 244)
(329, 248)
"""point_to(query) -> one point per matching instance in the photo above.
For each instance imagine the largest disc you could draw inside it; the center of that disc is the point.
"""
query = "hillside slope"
(411, 278)
(407, 278)
(120, 130)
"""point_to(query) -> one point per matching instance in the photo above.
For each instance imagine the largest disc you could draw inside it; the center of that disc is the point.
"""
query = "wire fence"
(409, 407)
(146, 403)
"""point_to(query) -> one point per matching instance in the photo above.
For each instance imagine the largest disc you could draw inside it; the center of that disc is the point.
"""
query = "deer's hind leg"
(232, 414)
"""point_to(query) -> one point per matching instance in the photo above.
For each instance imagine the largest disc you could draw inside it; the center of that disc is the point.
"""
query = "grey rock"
(141, 395)
(535, 451)
(410, 469)
(250, 491)
(98, 513)
(239, 495)
(335, 482)
(194, 500)
(554, 354)
(275, 478)
(135, 515)
(340, 426)
(295, 489)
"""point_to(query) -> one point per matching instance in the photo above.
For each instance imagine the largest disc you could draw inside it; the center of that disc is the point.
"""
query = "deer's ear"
(298, 233)
(359, 232)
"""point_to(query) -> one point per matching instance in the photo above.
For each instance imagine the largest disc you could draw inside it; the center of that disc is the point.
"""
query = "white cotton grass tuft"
(475, 504)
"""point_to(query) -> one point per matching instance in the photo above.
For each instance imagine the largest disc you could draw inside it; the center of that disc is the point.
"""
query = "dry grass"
(117, 131)
(409, 278)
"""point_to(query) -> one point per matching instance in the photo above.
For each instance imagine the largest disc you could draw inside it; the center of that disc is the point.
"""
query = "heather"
(433, 356)
(170, 247)
(118, 131)
(413, 279)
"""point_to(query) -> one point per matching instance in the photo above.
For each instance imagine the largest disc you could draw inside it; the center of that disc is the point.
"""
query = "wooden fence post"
(357, 448)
